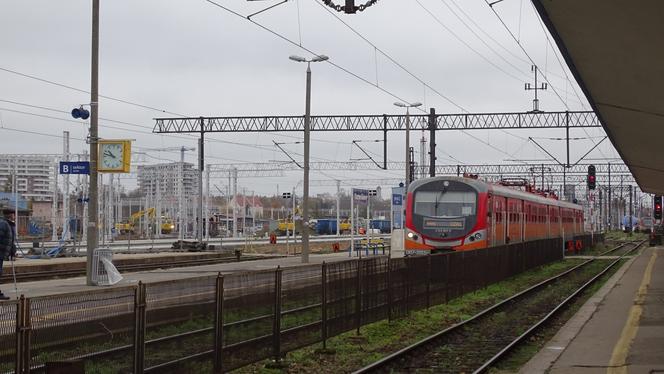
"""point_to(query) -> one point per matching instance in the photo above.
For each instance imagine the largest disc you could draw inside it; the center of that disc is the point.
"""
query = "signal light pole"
(657, 209)
(591, 177)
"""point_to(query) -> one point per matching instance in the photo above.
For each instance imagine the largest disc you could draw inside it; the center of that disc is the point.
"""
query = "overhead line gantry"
(380, 122)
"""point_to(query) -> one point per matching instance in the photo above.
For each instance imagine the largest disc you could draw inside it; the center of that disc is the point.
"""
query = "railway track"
(478, 343)
(70, 273)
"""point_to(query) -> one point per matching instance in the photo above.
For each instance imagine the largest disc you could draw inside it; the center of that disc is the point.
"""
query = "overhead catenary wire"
(389, 57)
(87, 92)
(426, 85)
(329, 61)
(457, 37)
(153, 108)
(533, 62)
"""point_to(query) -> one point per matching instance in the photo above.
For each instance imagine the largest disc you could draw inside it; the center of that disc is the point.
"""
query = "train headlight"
(412, 235)
(478, 236)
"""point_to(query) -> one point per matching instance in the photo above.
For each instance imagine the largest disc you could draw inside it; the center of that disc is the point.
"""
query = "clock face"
(112, 156)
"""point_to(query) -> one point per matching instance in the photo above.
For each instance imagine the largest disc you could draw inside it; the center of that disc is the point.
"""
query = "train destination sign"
(435, 223)
(74, 167)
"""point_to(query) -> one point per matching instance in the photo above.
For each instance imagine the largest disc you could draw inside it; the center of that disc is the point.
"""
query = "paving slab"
(610, 323)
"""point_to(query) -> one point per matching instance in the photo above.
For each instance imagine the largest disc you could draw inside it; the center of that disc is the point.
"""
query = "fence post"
(428, 280)
(389, 288)
(139, 327)
(324, 304)
(447, 277)
(276, 326)
(406, 283)
(464, 279)
(23, 327)
(219, 325)
(358, 297)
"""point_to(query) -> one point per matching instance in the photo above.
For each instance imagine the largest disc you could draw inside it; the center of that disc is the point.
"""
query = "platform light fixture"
(307, 127)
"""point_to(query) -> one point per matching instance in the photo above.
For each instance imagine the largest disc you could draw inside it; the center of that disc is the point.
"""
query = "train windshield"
(445, 203)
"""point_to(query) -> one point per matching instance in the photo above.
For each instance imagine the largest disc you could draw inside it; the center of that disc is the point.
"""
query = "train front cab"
(446, 214)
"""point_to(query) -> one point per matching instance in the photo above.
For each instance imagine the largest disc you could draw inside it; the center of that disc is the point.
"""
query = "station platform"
(68, 285)
(618, 330)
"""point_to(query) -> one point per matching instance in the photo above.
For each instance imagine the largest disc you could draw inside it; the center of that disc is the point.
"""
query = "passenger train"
(459, 213)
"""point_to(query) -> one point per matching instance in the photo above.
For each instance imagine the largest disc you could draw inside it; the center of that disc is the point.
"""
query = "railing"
(226, 322)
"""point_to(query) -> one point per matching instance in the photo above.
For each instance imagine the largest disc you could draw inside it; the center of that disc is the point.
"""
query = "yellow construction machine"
(129, 226)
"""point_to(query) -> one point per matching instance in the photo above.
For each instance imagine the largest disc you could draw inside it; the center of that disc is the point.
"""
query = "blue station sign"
(74, 167)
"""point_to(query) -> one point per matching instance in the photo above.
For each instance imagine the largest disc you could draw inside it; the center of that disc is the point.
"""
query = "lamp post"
(305, 188)
(407, 106)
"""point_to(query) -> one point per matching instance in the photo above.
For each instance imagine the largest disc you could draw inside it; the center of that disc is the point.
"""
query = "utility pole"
(432, 142)
(423, 156)
(92, 239)
(609, 210)
(207, 204)
(65, 197)
(338, 203)
(84, 196)
(234, 202)
(54, 205)
(630, 205)
(181, 222)
(201, 167)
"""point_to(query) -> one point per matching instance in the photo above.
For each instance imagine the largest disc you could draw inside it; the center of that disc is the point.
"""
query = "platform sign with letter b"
(74, 167)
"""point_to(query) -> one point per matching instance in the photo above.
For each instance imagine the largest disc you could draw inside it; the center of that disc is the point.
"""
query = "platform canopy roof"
(615, 50)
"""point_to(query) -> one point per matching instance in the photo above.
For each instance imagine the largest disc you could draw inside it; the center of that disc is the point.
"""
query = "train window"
(445, 203)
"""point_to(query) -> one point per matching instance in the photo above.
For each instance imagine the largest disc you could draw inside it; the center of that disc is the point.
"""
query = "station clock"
(114, 156)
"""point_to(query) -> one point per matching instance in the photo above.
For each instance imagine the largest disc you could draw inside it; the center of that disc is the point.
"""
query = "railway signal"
(658, 207)
(286, 195)
(591, 177)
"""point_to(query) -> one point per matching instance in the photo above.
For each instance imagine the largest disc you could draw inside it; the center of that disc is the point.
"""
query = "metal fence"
(219, 323)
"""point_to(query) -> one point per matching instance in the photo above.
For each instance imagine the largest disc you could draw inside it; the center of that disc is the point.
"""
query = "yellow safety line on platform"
(618, 362)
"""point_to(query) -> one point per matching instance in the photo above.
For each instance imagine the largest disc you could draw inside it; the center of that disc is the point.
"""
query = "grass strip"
(382, 338)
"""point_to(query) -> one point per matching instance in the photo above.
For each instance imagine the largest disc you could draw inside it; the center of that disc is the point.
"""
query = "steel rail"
(187, 334)
(385, 361)
(49, 274)
(555, 310)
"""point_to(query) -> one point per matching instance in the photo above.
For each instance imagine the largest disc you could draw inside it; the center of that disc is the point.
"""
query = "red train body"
(453, 213)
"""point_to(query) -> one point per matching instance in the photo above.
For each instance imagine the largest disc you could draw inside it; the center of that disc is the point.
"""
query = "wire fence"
(223, 322)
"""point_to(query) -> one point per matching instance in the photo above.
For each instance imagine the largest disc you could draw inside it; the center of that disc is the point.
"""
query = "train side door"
(548, 220)
(490, 221)
(514, 230)
(499, 214)
(522, 220)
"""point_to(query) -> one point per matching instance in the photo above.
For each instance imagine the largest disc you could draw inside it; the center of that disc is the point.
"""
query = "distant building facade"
(34, 175)
(162, 180)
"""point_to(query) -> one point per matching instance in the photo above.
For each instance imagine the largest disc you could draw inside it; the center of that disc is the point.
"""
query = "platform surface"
(618, 330)
(60, 286)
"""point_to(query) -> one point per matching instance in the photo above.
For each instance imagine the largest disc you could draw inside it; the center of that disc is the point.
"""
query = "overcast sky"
(194, 58)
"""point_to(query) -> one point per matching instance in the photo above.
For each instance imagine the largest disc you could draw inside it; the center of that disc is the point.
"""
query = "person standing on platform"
(7, 240)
